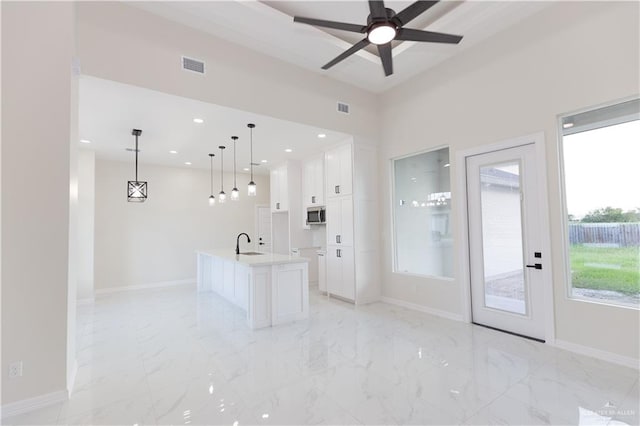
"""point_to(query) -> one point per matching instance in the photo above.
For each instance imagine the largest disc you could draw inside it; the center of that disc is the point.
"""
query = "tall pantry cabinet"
(352, 218)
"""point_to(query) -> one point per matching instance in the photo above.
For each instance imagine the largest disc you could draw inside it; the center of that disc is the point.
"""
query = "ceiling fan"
(383, 26)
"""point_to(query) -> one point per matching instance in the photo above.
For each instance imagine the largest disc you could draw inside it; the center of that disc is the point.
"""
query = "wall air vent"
(343, 108)
(194, 65)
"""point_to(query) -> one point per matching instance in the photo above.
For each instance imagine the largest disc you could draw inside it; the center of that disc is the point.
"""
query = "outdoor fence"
(613, 234)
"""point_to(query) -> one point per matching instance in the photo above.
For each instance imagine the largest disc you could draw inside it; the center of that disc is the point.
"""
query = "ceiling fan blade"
(412, 11)
(377, 9)
(387, 61)
(359, 45)
(354, 28)
(409, 34)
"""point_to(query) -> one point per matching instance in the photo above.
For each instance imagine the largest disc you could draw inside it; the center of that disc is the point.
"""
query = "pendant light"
(251, 188)
(235, 194)
(212, 199)
(136, 190)
(222, 197)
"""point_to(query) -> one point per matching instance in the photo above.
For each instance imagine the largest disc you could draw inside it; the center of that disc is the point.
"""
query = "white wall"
(123, 43)
(36, 122)
(86, 213)
(512, 85)
(155, 241)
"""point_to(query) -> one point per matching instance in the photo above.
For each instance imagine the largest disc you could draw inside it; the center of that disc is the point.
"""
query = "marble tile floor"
(171, 356)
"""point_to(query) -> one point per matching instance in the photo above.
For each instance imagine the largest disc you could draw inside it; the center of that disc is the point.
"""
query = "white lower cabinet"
(322, 272)
(341, 272)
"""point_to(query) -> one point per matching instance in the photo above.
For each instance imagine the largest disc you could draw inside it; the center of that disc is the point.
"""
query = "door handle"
(535, 266)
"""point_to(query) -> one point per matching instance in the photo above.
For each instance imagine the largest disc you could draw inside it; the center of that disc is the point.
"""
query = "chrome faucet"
(238, 241)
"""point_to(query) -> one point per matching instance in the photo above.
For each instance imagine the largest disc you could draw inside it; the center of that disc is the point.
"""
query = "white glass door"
(505, 241)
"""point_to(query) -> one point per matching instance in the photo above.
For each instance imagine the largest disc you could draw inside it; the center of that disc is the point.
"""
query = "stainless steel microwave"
(316, 215)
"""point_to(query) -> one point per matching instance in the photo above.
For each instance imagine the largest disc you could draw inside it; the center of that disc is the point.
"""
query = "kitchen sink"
(251, 253)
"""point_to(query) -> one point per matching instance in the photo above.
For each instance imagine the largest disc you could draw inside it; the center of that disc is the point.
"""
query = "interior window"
(601, 152)
(422, 214)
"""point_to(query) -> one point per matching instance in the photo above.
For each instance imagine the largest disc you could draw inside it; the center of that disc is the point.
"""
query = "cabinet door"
(334, 220)
(241, 285)
(346, 221)
(228, 281)
(274, 187)
(283, 184)
(348, 283)
(334, 271)
(318, 183)
(332, 171)
(322, 272)
(346, 180)
(308, 184)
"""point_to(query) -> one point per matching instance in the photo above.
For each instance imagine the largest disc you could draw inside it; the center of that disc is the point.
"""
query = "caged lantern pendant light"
(136, 190)
(235, 194)
(251, 188)
(222, 197)
(212, 199)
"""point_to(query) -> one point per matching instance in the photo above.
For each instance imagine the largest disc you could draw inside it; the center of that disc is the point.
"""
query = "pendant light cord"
(211, 156)
(251, 160)
(235, 138)
(136, 157)
(221, 168)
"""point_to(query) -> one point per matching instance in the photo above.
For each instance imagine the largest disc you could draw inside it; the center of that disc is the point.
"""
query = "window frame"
(392, 195)
(564, 211)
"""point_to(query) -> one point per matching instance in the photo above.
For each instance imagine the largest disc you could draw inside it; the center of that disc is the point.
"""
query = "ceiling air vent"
(343, 108)
(194, 65)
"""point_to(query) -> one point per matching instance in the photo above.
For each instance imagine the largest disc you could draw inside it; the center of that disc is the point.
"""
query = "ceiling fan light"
(381, 33)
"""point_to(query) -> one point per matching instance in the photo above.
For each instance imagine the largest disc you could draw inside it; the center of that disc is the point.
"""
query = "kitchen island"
(272, 288)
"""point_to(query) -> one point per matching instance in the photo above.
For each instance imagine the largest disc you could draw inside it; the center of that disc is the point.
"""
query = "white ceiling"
(108, 111)
(268, 27)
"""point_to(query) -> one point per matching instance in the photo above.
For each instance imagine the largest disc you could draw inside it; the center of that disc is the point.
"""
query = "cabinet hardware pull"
(337, 189)
(313, 199)
(338, 254)
(338, 239)
(277, 206)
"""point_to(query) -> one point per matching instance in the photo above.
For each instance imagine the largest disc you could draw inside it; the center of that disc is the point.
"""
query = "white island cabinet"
(272, 288)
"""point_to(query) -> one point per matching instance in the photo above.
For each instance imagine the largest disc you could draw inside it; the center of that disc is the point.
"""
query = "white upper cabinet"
(339, 171)
(313, 182)
(279, 189)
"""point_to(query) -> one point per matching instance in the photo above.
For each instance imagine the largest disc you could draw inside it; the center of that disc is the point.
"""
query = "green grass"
(595, 268)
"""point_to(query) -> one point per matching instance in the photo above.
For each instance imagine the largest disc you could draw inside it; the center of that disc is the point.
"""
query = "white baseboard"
(145, 286)
(31, 404)
(597, 353)
(416, 307)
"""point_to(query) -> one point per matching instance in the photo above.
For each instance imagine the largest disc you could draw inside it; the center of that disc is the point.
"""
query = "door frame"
(463, 254)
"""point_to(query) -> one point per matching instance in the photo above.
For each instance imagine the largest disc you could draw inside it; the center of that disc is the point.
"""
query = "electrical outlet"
(15, 369)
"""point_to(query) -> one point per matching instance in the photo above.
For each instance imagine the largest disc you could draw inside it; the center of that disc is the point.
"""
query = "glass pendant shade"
(251, 188)
(222, 197)
(136, 190)
(235, 194)
(212, 200)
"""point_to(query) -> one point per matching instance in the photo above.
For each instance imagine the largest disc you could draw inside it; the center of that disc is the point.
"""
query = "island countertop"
(263, 259)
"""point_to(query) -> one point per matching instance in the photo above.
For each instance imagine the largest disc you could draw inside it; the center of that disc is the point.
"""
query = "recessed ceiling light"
(446, 165)
(85, 141)
(188, 163)
(263, 161)
(246, 169)
(173, 152)
(322, 135)
(198, 120)
(288, 150)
